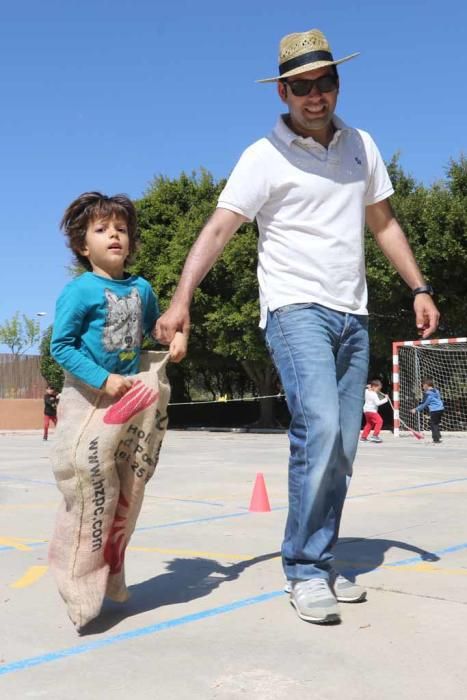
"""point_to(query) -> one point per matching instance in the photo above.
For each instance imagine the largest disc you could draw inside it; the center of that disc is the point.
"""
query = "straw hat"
(304, 51)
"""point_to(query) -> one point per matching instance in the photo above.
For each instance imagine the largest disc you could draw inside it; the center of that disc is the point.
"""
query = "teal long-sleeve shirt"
(99, 326)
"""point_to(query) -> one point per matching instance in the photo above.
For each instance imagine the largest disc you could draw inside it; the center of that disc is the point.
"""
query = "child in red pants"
(370, 409)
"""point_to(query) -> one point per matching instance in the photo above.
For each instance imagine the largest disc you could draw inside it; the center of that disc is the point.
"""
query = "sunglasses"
(300, 88)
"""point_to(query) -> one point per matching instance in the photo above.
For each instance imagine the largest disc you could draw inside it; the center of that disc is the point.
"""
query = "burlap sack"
(104, 454)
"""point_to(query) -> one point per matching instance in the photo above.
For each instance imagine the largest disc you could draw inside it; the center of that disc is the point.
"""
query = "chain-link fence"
(20, 377)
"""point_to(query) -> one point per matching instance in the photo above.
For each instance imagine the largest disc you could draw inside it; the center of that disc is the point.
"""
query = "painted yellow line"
(33, 574)
(423, 567)
(194, 553)
(16, 543)
(21, 541)
(426, 567)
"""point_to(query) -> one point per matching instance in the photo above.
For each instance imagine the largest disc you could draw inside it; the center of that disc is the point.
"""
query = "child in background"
(370, 409)
(50, 410)
(433, 402)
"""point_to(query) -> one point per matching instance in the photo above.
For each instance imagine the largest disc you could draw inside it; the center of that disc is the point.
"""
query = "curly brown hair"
(91, 206)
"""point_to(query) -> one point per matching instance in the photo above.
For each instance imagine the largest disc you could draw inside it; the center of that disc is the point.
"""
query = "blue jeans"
(322, 359)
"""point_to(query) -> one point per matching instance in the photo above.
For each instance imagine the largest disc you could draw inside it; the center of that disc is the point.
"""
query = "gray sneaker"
(346, 591)
(375, 438)
(314, 601)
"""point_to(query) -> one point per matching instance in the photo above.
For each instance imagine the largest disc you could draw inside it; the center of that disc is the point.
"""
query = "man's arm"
(209, 245)
(391, 239)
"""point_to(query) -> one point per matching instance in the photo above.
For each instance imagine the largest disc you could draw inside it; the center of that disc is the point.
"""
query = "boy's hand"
(413, 410)
(178, 347)
(116, 385)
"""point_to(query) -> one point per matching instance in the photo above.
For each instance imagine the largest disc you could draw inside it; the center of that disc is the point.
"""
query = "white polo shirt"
(309, 203)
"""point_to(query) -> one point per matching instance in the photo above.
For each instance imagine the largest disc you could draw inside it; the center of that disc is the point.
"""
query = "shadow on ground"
(189, 579)
(183, 581)
(358, 555)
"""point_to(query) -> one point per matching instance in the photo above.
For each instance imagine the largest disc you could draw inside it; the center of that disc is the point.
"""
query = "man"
(310, 185)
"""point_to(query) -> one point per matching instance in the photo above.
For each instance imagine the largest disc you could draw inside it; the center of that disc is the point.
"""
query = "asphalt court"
(207, 617)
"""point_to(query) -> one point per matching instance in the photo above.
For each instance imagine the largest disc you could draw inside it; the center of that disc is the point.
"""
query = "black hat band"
(305, 58)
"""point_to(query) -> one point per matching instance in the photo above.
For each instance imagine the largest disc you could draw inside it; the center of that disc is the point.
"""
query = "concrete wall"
(21, 414)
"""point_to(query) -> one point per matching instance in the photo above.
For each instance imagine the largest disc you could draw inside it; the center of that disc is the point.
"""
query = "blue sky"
(106, 94)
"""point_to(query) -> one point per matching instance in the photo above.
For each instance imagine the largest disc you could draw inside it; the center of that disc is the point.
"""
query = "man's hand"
(426, 315)
(391, 239)
(413, 411)
(116, 385)
(178, 347)
(175, 319)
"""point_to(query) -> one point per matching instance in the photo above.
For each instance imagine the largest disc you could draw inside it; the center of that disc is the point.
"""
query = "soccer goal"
(443, 360)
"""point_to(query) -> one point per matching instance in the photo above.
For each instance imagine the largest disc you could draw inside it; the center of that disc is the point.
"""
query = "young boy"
(102, 315)
(433, 402)
(370, 409)
(50, 410)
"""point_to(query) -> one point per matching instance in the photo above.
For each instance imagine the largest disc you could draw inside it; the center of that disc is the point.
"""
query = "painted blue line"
(191, 500)
(273, 508)
(190, 522)
(419, 558)
(409, 488)
(53, 483)
(32, 661)
(34, 544)
(434, 483)
(202, 520)
(176, 523)
(166, 525)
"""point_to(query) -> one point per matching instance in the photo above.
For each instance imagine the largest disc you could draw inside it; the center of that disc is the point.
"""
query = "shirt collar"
(285, 134)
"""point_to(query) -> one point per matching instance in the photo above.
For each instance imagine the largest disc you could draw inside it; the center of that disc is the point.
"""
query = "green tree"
(227, 353)
(50, 369)
(435, 221)
(20, 333)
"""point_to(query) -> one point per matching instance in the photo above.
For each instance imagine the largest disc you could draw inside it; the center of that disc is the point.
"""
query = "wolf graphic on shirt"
(123, 329)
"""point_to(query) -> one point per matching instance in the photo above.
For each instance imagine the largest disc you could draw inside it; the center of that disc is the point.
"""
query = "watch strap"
(425, 289)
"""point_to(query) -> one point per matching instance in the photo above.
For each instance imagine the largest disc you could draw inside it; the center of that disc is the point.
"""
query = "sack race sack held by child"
(105, 453)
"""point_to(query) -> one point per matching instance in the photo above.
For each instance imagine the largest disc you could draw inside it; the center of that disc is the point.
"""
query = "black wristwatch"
(426, 289)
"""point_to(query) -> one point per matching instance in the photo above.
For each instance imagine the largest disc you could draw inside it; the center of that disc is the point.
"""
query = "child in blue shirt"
(102, 315)
(433, 402)
(101, 318)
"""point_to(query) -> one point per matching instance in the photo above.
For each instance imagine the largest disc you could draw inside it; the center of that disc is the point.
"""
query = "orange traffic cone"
(259, 499)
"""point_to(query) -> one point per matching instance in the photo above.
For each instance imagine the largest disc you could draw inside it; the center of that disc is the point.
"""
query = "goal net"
(445, 362)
